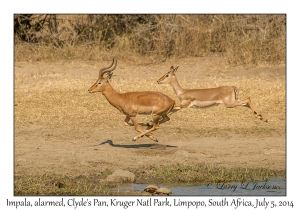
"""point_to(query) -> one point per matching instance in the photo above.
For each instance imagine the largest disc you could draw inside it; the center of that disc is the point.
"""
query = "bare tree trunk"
(53, 24)
(91, 37)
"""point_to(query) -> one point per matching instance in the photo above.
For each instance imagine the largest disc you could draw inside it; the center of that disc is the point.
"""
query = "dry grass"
(202, 173)
(49, 184)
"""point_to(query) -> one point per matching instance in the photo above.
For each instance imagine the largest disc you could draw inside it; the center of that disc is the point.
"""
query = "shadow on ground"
(136, 146)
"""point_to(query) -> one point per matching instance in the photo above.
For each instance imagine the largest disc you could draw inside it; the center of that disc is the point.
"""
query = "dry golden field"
(60, 127)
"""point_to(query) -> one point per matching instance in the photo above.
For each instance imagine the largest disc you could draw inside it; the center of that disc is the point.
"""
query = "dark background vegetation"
(242, 39)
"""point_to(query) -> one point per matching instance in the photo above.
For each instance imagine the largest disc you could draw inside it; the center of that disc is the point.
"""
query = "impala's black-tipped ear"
(108, 77)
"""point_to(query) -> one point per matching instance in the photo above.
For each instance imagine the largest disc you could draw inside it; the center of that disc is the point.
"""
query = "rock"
(155, 190)
(121, 176)
(163, 191)
(151, 188)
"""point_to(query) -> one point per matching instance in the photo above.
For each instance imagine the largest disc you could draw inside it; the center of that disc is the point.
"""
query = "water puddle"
(273, 187)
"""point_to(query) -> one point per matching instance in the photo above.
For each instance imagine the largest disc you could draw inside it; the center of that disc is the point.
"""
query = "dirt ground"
(61, 129)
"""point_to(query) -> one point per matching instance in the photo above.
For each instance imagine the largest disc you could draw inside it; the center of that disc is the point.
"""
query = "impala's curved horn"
(114, 66)
(107, 69)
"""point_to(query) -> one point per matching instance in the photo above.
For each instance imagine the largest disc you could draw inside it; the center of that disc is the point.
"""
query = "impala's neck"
(112, 96)
(176, 87)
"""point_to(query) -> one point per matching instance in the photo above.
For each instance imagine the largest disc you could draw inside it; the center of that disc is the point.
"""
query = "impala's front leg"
(184, 104)
(153, 128)
(126, 121)
(137, 128)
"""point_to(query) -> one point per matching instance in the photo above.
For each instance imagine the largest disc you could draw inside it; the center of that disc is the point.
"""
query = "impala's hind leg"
(247, 103)
(176, 108)
(164, 119)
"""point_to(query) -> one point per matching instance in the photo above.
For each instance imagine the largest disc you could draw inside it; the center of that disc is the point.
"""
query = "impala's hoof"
(134, 139)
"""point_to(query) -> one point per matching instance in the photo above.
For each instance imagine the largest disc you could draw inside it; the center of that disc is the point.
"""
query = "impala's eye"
(99, 83)
(167, 75)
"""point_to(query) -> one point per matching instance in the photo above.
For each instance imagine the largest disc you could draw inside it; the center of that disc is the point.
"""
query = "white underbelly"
(202, 104)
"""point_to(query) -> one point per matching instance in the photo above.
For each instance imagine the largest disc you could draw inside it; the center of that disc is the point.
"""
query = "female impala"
(201, 98)
(131, 104)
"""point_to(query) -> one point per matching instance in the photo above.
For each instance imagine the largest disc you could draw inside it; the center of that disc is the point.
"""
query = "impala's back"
(146, 102)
